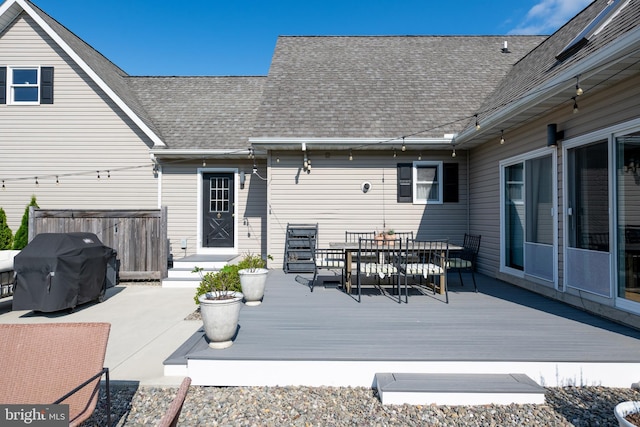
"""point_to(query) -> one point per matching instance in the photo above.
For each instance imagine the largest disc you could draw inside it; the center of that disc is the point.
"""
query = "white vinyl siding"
(331, 195)
(82, 133)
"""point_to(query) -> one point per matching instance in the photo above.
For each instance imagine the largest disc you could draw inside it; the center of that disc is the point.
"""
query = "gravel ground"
(337, 406)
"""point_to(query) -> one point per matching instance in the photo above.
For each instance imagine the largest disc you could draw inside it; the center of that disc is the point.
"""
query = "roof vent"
(505, 47)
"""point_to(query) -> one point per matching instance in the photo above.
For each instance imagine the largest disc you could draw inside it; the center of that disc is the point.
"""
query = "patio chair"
(323, 258)
(170, 418)
(377, 258)
(465, 260)
(55, 363)
(426, 260)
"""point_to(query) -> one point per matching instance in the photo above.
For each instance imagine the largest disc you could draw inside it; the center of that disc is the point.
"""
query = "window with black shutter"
(46, 85)
(428, 182)
(405, 184)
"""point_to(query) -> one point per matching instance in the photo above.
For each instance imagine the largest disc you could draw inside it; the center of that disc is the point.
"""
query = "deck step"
(457, 389)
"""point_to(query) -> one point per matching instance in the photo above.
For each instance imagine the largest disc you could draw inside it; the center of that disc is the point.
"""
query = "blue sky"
(237, 37)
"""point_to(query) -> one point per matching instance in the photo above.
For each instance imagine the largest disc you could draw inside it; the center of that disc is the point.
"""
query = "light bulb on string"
(350, 155)
(575, 105)
(395, 154)
(453, 154)
(501, 137)
(477, 122)
(57, 180)
(404, 148)
(419, 156)
(579, 90)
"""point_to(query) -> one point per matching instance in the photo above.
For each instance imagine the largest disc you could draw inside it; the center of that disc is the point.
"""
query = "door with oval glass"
(218, 210)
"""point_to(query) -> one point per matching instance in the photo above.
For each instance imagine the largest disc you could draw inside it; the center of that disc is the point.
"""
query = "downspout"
(468, 192)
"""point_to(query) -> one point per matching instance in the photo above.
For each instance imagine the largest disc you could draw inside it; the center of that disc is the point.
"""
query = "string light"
(204, 163)
(579, 90)
(502, 137)
(454, 151)
(477, 123)
(350, 155)
(57, 180)
(108, 174)
(404, 148)
(575, 105)
(37, 183)
(419, 156)
(394, 153)
(3, 187)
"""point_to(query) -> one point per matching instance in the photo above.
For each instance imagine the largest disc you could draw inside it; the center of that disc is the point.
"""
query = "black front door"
(217, 210)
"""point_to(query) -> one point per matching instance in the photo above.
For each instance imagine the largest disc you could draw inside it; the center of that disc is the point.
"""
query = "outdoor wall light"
(243, 179)
(366, 186)
(553, 135)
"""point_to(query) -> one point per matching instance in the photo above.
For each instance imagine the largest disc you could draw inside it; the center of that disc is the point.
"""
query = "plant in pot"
(253, 272)
(628, 413)
(220, 301)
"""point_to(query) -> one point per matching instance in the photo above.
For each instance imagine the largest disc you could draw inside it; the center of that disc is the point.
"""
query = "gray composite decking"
(500, 324)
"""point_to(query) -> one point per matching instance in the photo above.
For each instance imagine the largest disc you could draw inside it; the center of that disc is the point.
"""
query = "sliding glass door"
(529, 216)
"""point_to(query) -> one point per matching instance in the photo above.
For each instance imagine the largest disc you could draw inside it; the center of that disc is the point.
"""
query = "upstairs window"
(26, 85)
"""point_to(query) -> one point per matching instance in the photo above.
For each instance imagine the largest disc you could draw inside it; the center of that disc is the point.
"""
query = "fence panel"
(139, 236)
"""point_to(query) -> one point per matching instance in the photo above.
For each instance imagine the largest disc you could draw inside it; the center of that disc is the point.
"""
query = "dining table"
(350, 248)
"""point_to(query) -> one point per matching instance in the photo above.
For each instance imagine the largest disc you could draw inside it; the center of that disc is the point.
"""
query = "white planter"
(623, 409)
(220, 319)
(253, 282)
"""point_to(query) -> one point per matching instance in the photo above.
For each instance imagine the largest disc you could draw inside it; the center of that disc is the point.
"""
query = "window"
(26, 85)
(427, 182)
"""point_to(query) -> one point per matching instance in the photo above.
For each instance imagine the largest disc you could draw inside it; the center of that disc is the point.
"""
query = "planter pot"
(253, 282)
(220, 319)
(625, 408)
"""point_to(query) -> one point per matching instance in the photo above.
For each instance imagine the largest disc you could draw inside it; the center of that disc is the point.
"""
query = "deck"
(325, 337)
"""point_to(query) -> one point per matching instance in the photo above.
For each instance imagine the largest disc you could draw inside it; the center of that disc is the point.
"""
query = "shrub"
(226, 279)
(22, 235)
(6, 236)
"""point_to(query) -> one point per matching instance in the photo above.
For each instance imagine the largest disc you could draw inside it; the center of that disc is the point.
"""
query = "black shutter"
(46, 85)
(3, 85)
(450, 178)
(405, 183)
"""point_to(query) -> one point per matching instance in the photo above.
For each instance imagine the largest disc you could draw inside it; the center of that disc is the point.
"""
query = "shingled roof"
(540, 81)
(382, 86)
(201, 113)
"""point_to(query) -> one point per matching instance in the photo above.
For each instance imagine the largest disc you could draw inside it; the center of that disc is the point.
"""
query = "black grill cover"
(58, 271)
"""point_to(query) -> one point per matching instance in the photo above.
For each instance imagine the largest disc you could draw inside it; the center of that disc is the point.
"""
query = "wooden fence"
(139, 236)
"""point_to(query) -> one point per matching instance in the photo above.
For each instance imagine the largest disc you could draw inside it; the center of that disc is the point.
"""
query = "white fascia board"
(338, 143)
(85, 67)
(198, 154)
(591, 65)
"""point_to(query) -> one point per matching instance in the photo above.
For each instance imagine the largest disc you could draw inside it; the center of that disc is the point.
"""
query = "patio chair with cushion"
(55, 363)
(170, 418)
(377, 259)
(425, 260)
(465, 260)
